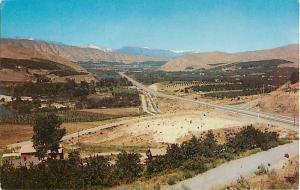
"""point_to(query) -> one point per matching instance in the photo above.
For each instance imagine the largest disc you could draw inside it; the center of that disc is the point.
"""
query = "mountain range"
(212, 59)
(24, 48)
(152, 52)
(177, 61)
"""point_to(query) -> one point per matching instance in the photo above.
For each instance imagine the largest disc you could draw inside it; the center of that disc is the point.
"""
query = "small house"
(28, 152)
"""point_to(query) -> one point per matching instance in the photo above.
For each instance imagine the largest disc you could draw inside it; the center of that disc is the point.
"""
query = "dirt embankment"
(284, 100)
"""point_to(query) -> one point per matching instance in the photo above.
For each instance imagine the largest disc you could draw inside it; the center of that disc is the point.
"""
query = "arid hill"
(283, 101)
(21, 62)
(12, 48)
(213, 59)
(20, 49)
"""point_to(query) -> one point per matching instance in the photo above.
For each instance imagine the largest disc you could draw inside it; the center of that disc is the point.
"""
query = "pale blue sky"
(199, 25)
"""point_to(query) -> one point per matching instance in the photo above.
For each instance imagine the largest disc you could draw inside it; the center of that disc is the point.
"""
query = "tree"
(74, 158)
(209, 145)
(294, 77)
(47, 134)
(128, 165)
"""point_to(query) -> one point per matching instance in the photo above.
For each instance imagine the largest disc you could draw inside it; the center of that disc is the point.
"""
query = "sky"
(195, 25)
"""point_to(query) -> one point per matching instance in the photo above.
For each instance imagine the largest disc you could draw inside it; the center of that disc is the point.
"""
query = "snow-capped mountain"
(152, 52)
(92, 46)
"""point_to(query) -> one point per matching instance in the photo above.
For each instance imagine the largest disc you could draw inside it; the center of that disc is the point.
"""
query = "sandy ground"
(154, 86)
(171, 106)
(158, 131)
(14, 133)
(169, 129)
(285, 101)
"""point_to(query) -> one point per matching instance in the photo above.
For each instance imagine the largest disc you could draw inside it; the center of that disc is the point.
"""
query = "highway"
(231, 171)
(227, 108)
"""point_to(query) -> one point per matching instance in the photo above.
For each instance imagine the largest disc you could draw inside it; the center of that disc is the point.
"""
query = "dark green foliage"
(209, 146)
(47, 134)
(120, 98)
(55, 68)
(128, 166)
(97, 172)
(156, 165)
(69, 89)
(58, 174)
(294, 77)
(250, 138)
(24, 106)
(191, 147)
(31, 64)
(65, 116)
(74, 157)
(174, 156)
(196, 164)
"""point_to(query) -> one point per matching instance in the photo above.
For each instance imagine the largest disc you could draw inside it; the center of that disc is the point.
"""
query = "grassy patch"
(112, 148)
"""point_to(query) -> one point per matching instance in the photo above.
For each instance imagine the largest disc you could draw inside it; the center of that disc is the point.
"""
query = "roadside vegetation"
(194, 156)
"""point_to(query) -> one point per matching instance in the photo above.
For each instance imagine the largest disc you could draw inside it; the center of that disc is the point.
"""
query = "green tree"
(128, 165)
(74, 158)
(47, 134)
(294, 77)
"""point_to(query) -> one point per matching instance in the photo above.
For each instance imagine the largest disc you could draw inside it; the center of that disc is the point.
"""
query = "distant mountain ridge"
(72, 53)
(212, 59)
(152, 52)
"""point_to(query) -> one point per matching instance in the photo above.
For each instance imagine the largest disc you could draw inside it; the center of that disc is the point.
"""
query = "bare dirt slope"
(211, 59)
(26, 49)
(284, 100)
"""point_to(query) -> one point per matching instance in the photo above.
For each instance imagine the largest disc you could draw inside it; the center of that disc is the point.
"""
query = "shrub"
(262, 169)
(172, 180)
(128, 165)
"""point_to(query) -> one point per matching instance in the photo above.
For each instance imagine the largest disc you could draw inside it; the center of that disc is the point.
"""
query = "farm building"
(28, 152)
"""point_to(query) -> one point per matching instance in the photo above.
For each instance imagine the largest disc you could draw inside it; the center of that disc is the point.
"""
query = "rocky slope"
(212, 59)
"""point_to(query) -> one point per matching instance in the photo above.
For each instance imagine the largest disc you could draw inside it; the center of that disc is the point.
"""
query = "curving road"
(231, 171)
(227, 108)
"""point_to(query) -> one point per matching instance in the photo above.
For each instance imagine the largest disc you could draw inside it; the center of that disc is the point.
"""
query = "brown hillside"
(207, 60)
(11, 47)
(284, 100)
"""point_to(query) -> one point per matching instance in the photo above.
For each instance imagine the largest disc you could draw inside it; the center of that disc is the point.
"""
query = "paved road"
(144, 104)
(267, 116)
(231, 171)
(152, 104)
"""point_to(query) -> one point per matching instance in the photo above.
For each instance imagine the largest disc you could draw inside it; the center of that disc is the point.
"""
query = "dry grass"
(11, 133)
(14, 133)
(115, 111)
(175, 106)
